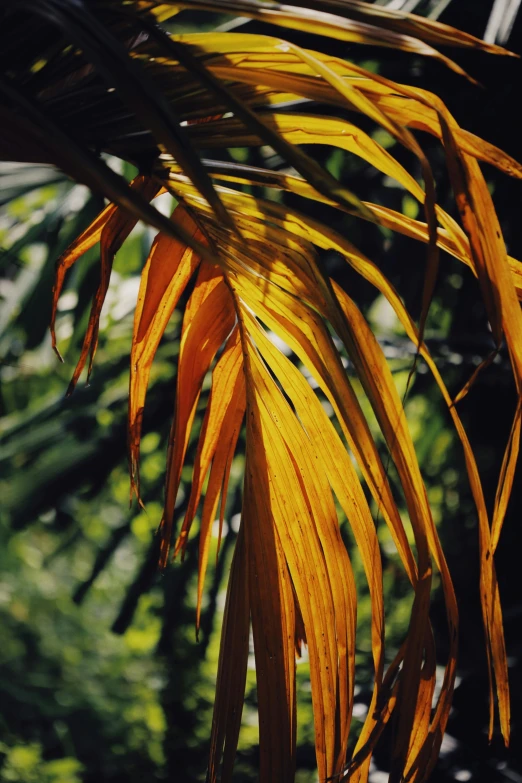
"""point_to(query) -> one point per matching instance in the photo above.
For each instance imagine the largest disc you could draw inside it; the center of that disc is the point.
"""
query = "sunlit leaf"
(270, 334)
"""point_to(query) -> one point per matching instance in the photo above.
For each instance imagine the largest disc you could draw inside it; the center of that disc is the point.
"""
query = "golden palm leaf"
(106, 76)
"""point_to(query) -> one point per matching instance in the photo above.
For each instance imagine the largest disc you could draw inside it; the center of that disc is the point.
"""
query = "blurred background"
(101, 678)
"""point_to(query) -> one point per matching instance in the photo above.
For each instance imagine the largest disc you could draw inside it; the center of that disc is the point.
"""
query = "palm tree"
(85, 81)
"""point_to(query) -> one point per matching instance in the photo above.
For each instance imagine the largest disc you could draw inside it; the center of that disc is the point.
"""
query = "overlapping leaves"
(251, 267)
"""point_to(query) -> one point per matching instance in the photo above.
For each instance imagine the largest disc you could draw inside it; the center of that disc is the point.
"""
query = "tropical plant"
(85, 80)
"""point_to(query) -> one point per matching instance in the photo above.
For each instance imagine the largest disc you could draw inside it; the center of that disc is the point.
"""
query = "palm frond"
(103, 77)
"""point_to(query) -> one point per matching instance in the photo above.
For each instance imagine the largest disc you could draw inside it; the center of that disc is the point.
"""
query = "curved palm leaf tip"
(108, 78)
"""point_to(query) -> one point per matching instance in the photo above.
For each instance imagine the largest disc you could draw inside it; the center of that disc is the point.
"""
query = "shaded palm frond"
(81, 79)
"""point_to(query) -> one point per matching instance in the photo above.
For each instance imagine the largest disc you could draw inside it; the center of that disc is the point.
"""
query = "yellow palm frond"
(111, 80)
